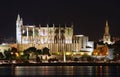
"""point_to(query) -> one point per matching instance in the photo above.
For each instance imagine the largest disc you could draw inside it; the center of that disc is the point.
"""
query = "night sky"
(88, 16)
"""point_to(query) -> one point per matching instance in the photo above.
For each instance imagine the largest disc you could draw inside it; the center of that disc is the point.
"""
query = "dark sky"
(88, 16)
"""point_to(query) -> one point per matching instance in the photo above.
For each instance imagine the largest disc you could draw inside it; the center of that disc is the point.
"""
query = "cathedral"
(57, 39)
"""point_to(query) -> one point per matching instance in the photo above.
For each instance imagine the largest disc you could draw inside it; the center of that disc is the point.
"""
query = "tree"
(38, 59)
(117, 50)
(14, 53)
(13, 49)
(46, 51)
(25, 57)
(39, 52)
(28, 51)
(1, 55)
(32, 49)
(7, 54)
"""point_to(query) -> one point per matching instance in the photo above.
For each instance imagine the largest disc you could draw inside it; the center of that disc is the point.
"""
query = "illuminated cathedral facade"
(55, 38)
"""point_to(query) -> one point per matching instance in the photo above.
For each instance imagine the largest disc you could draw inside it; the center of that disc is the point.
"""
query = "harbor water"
(89, 71)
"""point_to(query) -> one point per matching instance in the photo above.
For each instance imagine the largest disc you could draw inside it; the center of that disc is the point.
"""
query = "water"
(89, 71)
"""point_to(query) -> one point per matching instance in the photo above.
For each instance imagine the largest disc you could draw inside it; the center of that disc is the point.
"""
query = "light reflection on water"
(101, 71)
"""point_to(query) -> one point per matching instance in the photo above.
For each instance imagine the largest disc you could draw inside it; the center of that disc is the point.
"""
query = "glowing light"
(4, 43)
(79, 35)
(96, 53)
(74, 53)
(68, 53)
(44, 57)
(82, 53)
(89, 53)
(21, 53)
(23, 31)
(17, 54)
(11, 52)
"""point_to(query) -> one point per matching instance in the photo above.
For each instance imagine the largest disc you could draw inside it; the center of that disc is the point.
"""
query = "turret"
(106, 28)
(19, 23)
(18, 20)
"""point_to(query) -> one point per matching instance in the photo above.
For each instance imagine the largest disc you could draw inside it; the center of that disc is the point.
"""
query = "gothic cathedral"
(55, 38)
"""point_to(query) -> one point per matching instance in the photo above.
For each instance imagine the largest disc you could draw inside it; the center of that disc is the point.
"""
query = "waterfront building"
(57, 39)
(101, 51)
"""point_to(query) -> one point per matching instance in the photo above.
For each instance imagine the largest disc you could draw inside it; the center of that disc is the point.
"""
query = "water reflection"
(6, 70)
(101, 71)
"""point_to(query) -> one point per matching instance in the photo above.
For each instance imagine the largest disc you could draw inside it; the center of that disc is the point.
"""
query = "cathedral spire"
(19, 21)
(106, 22)
(106, 37)
(106, 28)
(18, 17)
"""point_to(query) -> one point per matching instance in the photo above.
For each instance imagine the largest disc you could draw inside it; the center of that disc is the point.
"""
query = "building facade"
(55, 38)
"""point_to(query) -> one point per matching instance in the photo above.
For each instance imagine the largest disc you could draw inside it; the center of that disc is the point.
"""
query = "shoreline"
(62, 64)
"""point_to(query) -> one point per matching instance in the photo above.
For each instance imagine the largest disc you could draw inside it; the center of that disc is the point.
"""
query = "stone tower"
(106, 36)
(19, 24)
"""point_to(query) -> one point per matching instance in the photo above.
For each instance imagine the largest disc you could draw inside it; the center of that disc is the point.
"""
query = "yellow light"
(58, 53)
(96, 53)
(17, 54)
(11, 52)
(74, 53)
(68, 53)
(106, 53)
(82, 53)
(21, 53)
(89, 53)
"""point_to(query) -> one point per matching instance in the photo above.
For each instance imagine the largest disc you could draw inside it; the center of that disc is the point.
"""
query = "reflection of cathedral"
(55, 38)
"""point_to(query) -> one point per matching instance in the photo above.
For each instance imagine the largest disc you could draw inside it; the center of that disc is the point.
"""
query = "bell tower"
(19, 24)
(106, 36)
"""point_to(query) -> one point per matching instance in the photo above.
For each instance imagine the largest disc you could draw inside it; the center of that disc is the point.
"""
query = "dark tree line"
(9, 54)
(13, 54)
(117, 50)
